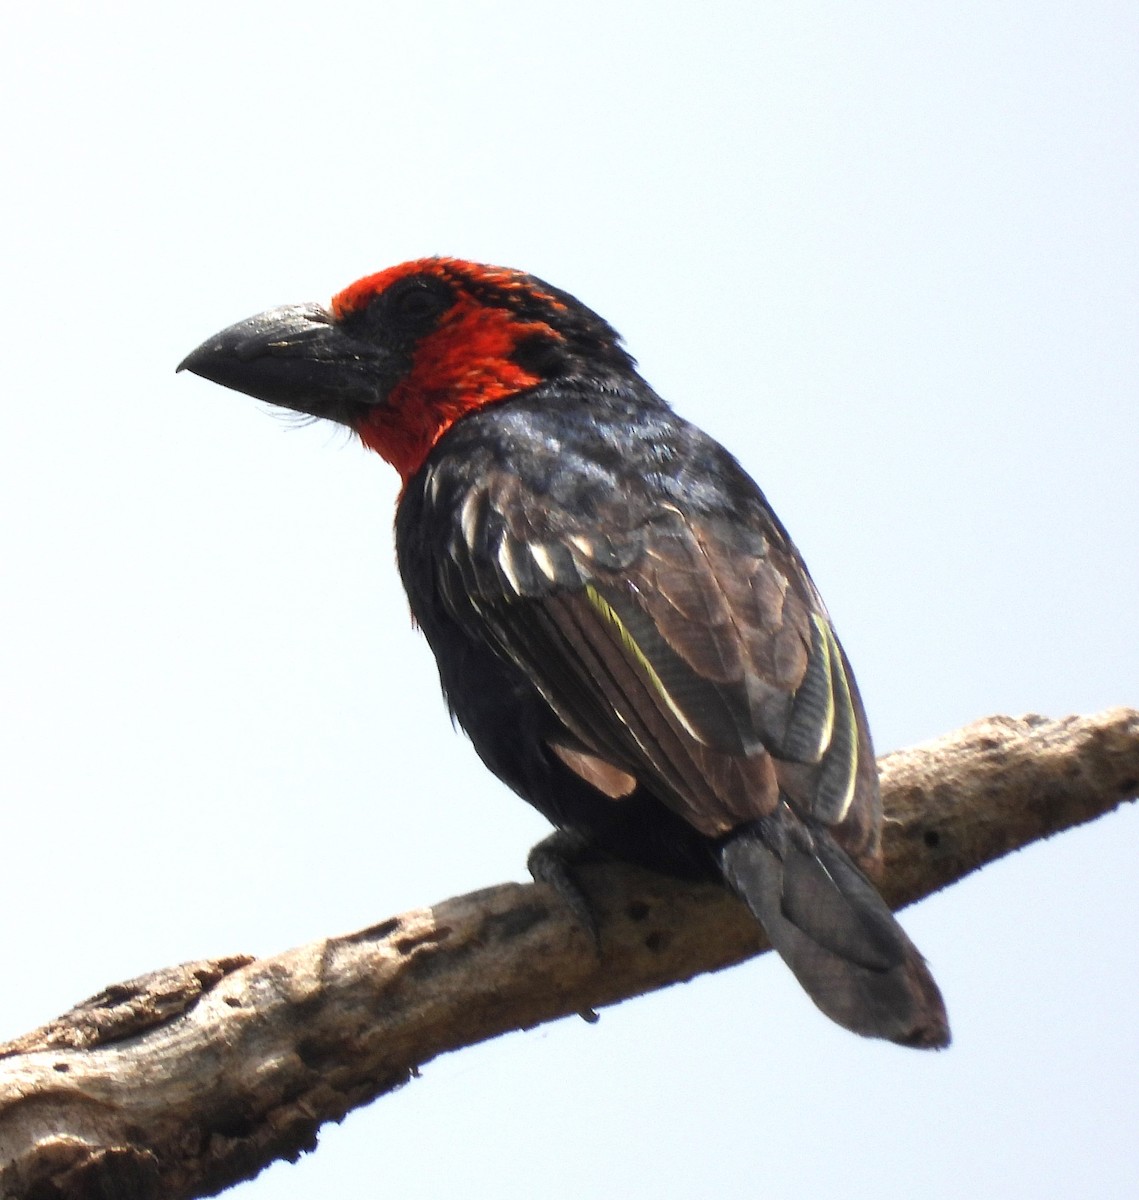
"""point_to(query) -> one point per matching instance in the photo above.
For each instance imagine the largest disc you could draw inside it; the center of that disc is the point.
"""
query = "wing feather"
(690, 652)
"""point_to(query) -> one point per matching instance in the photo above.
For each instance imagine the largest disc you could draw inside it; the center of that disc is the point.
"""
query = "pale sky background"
(887, 251)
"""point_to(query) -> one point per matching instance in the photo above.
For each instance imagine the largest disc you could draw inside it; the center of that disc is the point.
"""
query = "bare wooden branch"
(193, 1078)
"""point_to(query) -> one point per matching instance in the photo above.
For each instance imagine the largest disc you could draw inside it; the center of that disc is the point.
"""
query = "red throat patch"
(463, 364)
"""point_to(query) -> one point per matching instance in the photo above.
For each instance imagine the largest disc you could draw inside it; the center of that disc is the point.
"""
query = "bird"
(622, 625)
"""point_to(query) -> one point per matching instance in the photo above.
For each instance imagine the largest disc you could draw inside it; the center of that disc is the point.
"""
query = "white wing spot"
(469, 518)
(506, 562)
(541, 555)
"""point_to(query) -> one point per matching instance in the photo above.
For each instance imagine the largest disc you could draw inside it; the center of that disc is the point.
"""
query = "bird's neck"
(405, 430)
(467, 363)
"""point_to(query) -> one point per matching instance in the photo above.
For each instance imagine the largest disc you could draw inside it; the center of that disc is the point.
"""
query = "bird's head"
(400, 356)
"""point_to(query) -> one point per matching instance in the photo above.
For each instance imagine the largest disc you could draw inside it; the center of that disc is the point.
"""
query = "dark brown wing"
(691, 652)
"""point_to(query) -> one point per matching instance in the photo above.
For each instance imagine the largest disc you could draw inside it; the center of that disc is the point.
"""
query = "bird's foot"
(553, 861)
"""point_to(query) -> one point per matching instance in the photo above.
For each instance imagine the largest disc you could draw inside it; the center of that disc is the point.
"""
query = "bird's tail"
(834, 931)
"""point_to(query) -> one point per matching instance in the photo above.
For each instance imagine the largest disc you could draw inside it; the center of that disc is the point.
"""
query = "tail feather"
(834, 931)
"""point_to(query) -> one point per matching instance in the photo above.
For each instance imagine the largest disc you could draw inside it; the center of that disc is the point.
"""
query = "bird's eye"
(416, 304)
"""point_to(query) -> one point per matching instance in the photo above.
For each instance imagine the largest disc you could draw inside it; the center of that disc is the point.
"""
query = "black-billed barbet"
(622, 624)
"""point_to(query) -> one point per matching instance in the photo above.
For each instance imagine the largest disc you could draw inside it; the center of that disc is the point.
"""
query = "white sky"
(888, 252)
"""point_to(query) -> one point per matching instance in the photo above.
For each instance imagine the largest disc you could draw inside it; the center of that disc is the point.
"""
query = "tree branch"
(190, 1079)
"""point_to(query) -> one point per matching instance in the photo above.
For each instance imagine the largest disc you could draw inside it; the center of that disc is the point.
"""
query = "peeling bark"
(192, 1078)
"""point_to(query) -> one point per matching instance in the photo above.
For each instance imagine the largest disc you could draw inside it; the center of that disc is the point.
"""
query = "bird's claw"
(552, 861)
